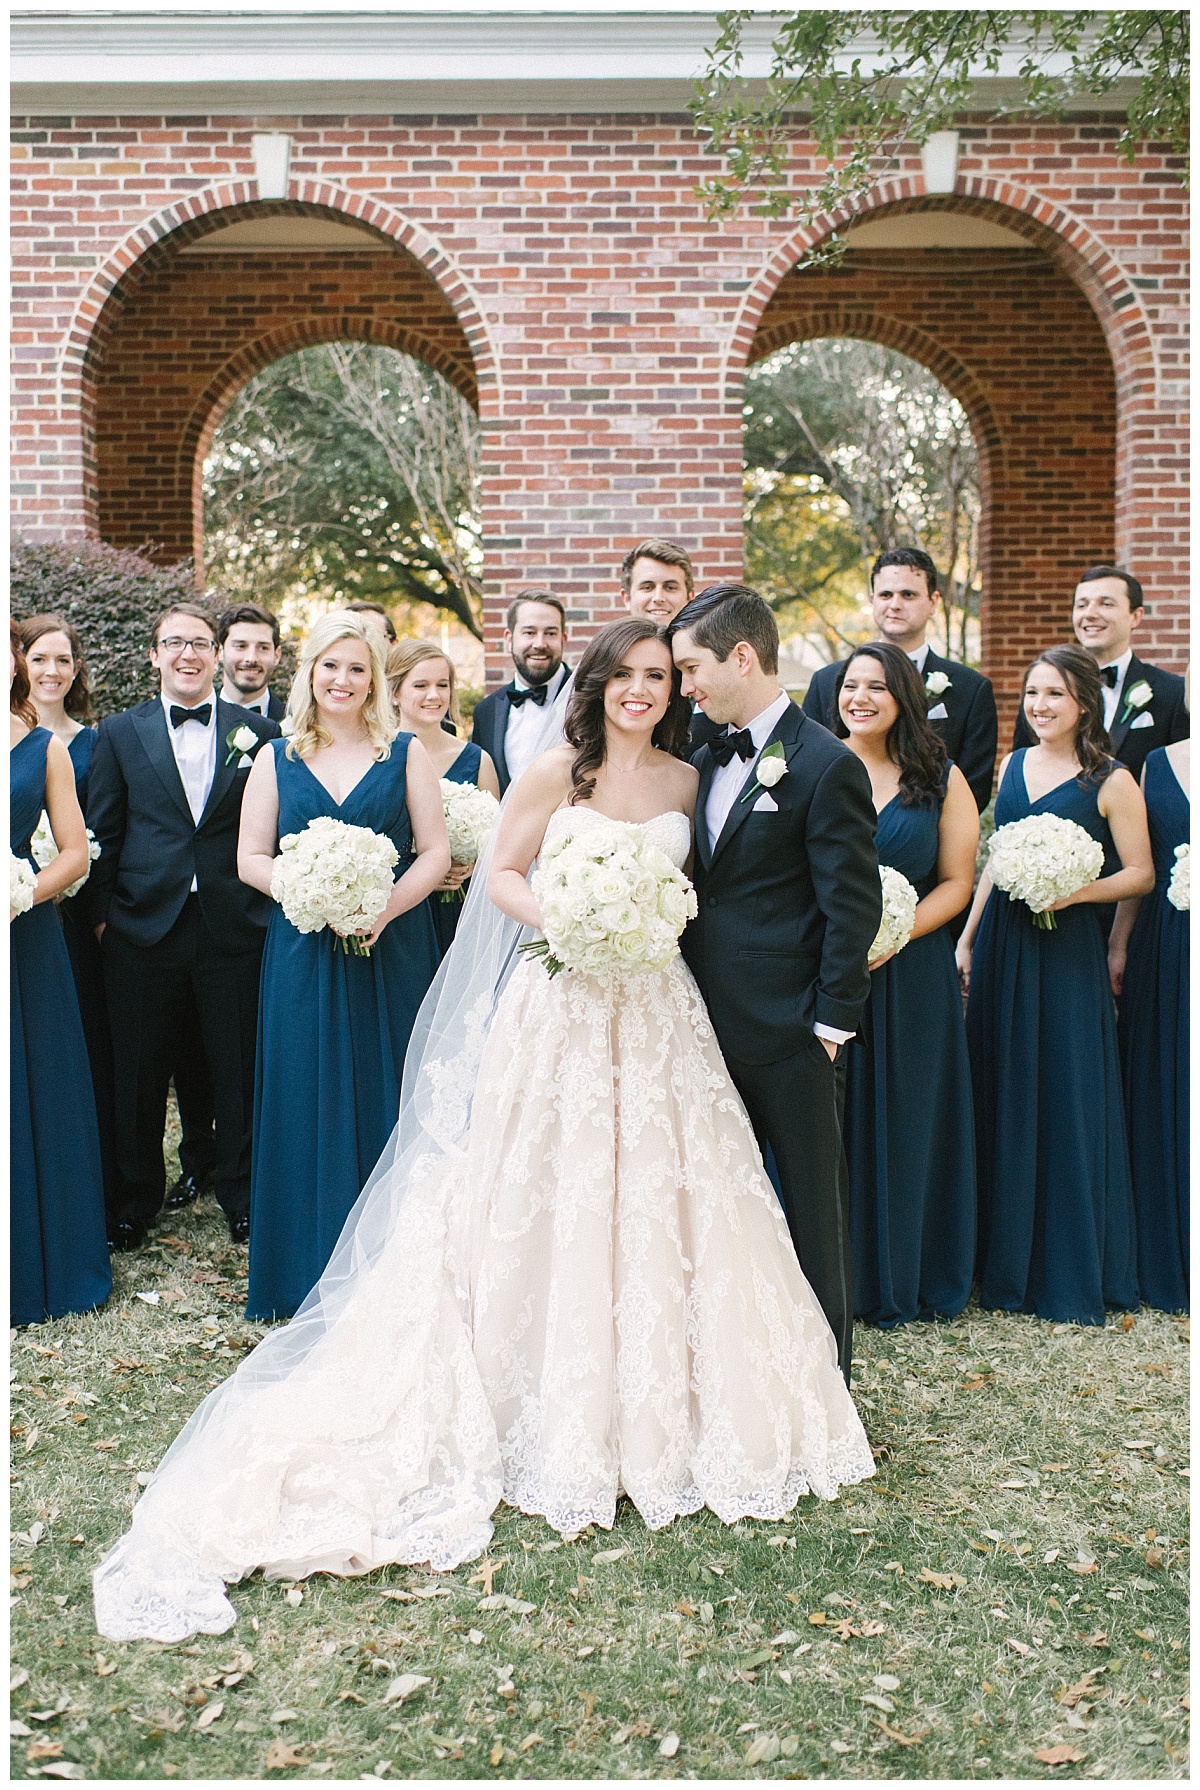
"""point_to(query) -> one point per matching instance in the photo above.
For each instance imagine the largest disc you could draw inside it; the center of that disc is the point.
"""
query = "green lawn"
(1014, 1580)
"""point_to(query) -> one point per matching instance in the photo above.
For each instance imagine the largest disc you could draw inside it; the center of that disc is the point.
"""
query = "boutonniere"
(936, 682)
(1137, 698)
(770, 770)
(239, 742)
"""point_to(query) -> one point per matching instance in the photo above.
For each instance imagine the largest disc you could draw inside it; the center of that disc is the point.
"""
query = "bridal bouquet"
(610, 901)
(899, 912)
(471, 816)
(44, 850)
(1041, 859)
(1179, 889)
(334, 875)
(22, 881)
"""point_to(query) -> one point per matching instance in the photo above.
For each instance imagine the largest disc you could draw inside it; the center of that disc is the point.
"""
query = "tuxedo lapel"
(150, 725)
(787, 729)
(703, 846)
(1135, 675)
(226, 770)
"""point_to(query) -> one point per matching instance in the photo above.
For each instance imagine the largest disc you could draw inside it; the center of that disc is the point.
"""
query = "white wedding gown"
(597, 1295)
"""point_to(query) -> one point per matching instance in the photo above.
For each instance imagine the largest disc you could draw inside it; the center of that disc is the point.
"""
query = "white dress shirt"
(728, 782)
(258, 703)
(919, 657)
(1112, 697)
(527, 724)
(195, 749)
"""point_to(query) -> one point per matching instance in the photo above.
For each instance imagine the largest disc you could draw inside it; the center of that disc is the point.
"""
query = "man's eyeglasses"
(175, 643)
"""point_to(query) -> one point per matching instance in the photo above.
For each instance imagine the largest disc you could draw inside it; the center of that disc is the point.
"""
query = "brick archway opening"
(1012, 335)
(201, 312)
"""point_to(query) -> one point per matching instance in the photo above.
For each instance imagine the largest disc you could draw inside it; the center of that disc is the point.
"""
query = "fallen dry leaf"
(943, 1580)
(1018, 1646)
(897, 1736)
(497, 1753)
(44, 1749)
(400, 1689)
(818, 1618)
(669, 1746)
(1127, 1321)
(282, 1757)
(530, 1740)
(1063, 1754)
(212, 1713)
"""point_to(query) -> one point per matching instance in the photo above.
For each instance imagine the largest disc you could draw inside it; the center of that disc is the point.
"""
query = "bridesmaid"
(910, 1136)
(333, 1028)
(1055, 1201)
(1149, 961)
(58, 1255)
(58, 688)
(422, 684)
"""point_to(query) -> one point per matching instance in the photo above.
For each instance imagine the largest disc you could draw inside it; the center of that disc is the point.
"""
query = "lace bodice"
(671, 832)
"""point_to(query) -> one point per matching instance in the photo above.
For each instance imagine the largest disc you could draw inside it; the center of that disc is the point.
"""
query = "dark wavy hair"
(1081, 675)
(911, 742)
(78, 699)
(584, 726)
(19, 703)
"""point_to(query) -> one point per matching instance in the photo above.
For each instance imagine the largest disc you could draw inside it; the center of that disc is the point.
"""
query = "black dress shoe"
(124, 1237)
(239, 1229)
(184, 1193)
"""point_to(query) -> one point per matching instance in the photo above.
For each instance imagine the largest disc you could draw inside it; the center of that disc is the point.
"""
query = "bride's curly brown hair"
(584, 725)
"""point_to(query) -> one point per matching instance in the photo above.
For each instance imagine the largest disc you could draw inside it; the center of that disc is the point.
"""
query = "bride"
(568, 1278)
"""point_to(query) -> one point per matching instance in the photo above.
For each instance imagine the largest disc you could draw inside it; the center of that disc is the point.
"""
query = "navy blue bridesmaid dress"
(909, 1126)
(1056, 1233)
(88, 971)
(58, 1250)
(1153, 1036)
(465, 769)
(332, 1032)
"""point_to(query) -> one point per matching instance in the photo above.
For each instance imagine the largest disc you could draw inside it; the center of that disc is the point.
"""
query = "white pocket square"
(937, 713)
(244, 762)
(766, 804)
(1141, 721)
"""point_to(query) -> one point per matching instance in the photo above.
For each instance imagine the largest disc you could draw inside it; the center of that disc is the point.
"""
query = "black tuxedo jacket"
(276, 709)
(151, 848)
(968, 730)
(489, 725)
(1132, 744)
(788, 902)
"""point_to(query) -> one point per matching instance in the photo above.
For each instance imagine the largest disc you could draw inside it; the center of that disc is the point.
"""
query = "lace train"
(597, 1294)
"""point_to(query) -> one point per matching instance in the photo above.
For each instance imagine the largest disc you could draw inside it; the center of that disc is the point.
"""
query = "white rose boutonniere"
(771, 769)
(239, 742)
(1136, 698)
(936, 683)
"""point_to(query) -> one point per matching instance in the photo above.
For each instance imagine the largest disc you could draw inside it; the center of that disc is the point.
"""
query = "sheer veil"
(440, 1075)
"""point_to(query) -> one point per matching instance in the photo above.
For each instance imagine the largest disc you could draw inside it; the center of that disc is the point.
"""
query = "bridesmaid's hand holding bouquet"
(335, 875)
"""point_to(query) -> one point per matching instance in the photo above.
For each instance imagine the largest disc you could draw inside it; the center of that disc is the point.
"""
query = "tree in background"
(863, 84)
(346, 471)
(850, 449)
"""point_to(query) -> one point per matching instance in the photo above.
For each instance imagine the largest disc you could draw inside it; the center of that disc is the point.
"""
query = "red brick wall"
(609, 322)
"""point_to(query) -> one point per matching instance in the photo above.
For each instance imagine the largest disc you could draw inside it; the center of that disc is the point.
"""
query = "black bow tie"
(1109, 675)
(203, 714)
(726, 744)
(536, 695)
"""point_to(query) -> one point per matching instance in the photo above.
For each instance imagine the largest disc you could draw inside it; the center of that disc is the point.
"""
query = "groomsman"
(962, 706)
(1144, 707)
(250, 653)
(181, 937)
(509, 723)
(787, 886)
(657, 579)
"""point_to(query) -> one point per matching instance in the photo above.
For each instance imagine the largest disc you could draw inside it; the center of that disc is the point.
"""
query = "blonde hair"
(405, 656)
(379, 718)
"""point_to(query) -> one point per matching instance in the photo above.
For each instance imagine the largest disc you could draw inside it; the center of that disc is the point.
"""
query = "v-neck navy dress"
(909, 1127)
(58, 1260)
(1056, 1232)
(332, 1032)
(1153, 1035)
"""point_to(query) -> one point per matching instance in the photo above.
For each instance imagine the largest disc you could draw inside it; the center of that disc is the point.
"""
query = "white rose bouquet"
(471, 816)
(610, 901)
(1041, 859)
(44, 850)
(334, 875)
(899, 913)
(1179, 889)
(22, 882)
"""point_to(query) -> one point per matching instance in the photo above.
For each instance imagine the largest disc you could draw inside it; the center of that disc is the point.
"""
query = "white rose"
(936, 682)
(771, 771)
(1139, 696)
(244, 739)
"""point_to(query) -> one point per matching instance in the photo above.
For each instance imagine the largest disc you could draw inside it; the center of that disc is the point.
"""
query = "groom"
(787, 883)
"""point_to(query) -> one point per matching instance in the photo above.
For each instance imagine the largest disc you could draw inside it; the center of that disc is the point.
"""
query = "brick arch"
(1052, 228)
(237, 372)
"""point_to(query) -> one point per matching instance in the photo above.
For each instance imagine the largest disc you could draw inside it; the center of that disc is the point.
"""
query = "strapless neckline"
(671, 830)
